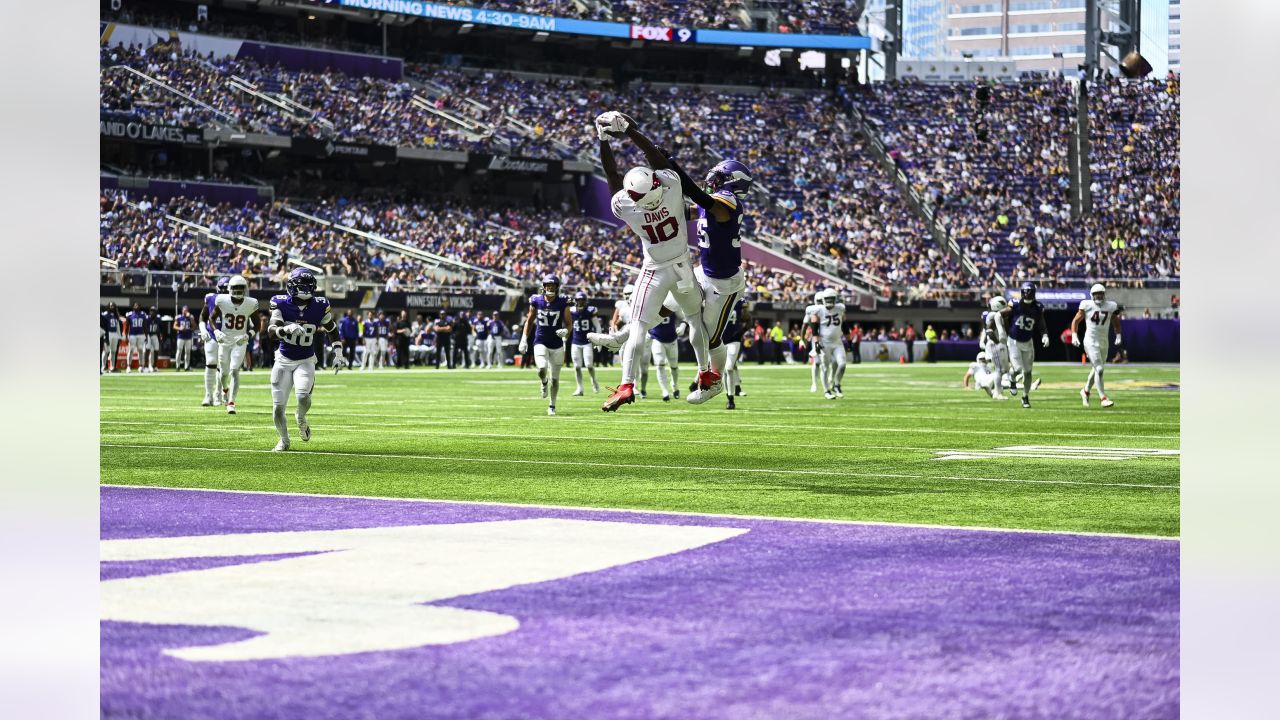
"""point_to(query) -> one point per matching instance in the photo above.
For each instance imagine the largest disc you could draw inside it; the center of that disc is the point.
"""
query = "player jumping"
(1098, 313)
(650, 200)
(548, 321)
(295, 318)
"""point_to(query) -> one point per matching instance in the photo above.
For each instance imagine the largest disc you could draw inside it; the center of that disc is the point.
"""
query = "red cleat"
(707, 379)
(619, 397)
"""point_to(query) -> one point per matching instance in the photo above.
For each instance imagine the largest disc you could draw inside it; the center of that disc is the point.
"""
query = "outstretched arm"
(691, 190)
(655, 157)
(610, 165)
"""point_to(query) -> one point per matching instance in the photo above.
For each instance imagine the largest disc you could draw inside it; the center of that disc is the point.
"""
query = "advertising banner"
(142, 131)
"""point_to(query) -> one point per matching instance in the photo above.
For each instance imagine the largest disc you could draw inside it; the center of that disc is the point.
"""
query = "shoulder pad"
(727, 197)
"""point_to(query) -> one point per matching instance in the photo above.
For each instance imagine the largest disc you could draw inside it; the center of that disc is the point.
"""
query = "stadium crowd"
(522, 243)
(995, 169)
(333, 105)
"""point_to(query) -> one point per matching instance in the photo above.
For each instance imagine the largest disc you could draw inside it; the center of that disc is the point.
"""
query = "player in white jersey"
(830, 321)
(1098, 314)
(817, 367)
(651, 202)
(984, 376)
(209, 345)
(620, 332)
(234, 314)
(995, 342)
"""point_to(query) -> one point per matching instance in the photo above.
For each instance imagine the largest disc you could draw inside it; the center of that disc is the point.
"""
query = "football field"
(905, 445)
(442, 548)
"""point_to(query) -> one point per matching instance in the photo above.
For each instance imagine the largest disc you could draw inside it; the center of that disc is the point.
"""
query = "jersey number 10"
(663, 231)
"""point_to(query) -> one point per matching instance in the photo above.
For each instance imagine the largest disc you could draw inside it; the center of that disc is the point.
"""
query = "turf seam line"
(643, 466)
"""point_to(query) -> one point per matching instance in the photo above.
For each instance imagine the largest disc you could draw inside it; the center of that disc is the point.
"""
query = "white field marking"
(672, 513)
(645, 466)
(1058, 452)
(444, 419)
(380, 429)
(371, 589)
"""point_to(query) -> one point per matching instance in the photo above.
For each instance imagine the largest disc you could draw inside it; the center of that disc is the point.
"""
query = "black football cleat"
(729, 405)
(1026, 401)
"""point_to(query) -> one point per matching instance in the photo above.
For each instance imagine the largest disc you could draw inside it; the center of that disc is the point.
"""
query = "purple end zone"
(789, 620)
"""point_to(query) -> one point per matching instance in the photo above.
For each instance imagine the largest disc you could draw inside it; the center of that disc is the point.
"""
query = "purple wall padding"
(1151, 339)
(316, 60)
(165, 189)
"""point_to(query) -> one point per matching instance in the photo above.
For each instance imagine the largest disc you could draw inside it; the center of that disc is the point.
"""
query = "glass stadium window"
(993, 30)
(971, 9)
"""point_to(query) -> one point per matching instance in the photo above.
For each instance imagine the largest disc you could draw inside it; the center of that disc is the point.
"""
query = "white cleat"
(1084, 397)
(1106, 401)
(829, 395)
(595, 389)
(699, 396)
(839, 392)
(1035, 384)
(551, 410)
(813, 387)
(604, 340)
(281, 446)
(544, 391)
(207, 401)
(304, 429)
(231, 408)
(578, 393)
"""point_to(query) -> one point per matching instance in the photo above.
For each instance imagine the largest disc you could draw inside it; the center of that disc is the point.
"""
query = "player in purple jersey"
(184, 330)
(494, 355)
(735, 325)
(210, 344)
(720, 204)
(548, 322)
(111, 325)
(383, 326)
(585, 319)
(136, 321)
(1025, 319)
(296, 317)
(666, 356)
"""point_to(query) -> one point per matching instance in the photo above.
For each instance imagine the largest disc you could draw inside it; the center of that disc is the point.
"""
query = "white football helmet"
(642, 186)
(830, 297)
(1097, 290)
(998, 303)
(817, 297)
(237, 287)
(982, 357)
(628, 290)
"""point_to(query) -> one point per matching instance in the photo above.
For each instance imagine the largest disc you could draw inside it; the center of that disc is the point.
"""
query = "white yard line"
(710, 422)
(381, 429)
(673, 513)
(646, 466)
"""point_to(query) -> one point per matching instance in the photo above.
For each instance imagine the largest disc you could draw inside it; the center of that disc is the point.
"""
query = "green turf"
(484, 435)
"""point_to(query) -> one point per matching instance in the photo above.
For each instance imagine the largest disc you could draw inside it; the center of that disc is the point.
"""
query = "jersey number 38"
(304, 338)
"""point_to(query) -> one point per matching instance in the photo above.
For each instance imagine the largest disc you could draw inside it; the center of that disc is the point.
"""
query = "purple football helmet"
(729, 174)
(580, 299)
(221, 285)
(1029, 291)
(301, 284)
(550, 286)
